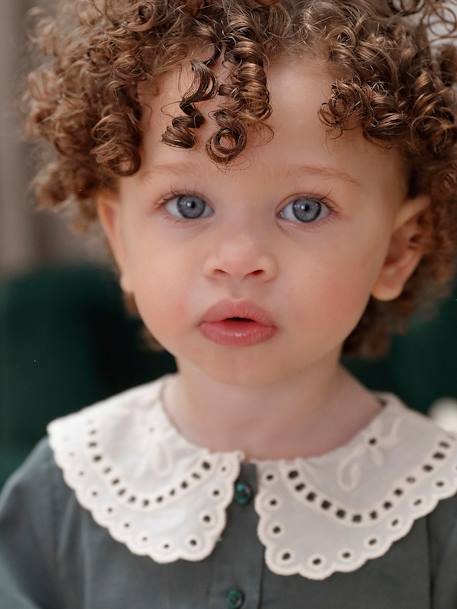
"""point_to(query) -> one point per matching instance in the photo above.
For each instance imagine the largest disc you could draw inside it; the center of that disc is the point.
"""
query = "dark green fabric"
(54, 556)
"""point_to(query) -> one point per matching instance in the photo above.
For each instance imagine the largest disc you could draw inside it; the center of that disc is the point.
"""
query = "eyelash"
(177, 193)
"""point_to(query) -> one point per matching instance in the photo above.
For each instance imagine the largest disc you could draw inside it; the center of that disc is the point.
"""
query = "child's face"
(313, 278)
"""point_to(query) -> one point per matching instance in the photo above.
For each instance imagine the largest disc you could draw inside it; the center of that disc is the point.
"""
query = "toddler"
(276, 182)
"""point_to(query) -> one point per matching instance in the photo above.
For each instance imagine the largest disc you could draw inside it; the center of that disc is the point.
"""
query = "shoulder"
(30, 509)
(36, 486)
(35, 470)
(127, 465)
(41, 478)
(442, 541)
(443, 519)
(28, 531)
(431, 478)
(442, 529)
(422, 458)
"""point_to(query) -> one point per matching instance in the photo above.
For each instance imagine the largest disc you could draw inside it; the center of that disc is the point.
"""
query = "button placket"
(239, 558)
(235, 598)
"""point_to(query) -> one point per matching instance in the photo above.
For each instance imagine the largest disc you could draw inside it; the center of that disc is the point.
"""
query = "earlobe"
(108, 208)
(404, 253)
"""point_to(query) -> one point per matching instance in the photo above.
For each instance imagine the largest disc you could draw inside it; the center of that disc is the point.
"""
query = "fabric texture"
(56, 551)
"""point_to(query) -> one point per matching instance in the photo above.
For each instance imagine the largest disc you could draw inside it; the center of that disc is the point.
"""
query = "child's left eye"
(305, 209)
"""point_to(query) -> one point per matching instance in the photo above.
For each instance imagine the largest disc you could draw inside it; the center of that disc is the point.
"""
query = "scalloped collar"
(166, 498)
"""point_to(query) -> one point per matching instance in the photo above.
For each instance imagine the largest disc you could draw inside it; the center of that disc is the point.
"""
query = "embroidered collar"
(166, 498)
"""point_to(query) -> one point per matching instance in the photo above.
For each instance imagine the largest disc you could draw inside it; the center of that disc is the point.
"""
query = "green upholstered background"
(66, 342)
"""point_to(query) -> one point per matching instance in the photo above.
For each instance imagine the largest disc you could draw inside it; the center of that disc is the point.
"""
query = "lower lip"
(237, 333)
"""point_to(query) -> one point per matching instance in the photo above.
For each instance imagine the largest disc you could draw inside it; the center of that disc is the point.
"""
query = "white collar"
(166, 498)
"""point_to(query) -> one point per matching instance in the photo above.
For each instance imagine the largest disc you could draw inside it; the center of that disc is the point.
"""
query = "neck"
(303, 416)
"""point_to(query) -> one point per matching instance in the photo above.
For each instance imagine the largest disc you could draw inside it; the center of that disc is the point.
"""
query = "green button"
(243, 493)
(235, 598)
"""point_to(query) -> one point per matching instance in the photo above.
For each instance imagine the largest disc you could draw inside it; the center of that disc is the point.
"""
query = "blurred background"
(65, 338)
(27, 239)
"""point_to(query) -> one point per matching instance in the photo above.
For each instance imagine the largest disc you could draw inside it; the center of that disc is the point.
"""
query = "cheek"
(160, 284)
(343, 298)
(331, 293)
(331, 296)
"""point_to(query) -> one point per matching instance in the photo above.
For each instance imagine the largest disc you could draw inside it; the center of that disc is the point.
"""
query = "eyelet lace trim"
(166, 498)
(127, 467)
(325, 516)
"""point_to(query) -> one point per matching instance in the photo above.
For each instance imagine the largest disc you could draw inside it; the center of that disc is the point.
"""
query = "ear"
(109, 215)
(404, 253)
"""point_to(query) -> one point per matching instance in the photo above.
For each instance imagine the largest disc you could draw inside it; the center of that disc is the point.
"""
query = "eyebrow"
(294, 170)
(330, 172)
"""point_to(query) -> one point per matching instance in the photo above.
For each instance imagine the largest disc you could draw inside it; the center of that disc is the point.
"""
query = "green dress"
(115, 509)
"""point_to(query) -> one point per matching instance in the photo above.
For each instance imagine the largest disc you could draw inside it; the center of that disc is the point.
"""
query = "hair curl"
(398, 67)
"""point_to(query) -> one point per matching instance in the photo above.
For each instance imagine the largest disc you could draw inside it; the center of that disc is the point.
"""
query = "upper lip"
(237, 308)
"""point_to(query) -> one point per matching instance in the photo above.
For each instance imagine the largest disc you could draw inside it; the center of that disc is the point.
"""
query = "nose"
(241, 257)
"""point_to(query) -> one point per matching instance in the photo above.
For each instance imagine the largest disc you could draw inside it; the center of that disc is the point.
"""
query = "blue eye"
(305, 209)
(189, 206)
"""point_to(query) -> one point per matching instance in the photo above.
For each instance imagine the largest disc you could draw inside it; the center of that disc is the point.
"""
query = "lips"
(242, 323)
(243, 309)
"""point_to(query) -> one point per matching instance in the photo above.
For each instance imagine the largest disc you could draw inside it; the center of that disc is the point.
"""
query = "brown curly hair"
(397, 67)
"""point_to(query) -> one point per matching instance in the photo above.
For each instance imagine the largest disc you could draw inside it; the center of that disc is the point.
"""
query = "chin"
(244, 369)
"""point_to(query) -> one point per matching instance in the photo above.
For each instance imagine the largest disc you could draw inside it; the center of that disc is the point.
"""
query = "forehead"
(298, 87)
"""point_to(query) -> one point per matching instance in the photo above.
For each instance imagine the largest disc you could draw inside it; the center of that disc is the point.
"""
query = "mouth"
(237, 331)
(238, 312)
(237, 319)
(237, 323)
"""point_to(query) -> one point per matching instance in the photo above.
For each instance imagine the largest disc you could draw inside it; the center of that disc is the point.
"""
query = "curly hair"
(396, 66)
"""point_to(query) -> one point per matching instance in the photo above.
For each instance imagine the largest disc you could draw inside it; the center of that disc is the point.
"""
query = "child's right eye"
(182, 207)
